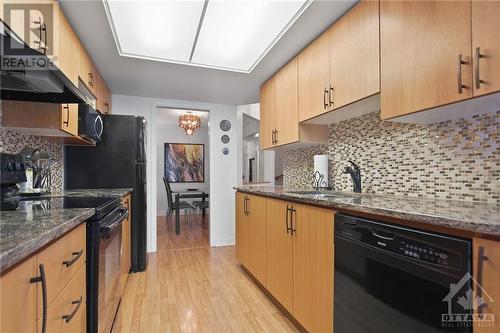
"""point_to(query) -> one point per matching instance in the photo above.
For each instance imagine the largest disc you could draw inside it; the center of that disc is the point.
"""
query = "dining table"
(188, 195)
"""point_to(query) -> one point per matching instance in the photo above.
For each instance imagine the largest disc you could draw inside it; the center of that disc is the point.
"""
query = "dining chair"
(184, 205)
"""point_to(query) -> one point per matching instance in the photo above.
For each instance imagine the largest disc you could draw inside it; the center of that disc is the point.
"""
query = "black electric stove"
(102, 205)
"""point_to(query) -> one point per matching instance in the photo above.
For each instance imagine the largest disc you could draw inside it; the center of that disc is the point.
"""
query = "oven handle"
(108, 228)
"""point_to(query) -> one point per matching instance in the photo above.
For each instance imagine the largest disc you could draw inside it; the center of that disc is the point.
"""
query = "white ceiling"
(141, 77)
(220, 34)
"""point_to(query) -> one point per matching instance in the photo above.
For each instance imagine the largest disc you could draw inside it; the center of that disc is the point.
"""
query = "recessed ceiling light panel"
(221, 34)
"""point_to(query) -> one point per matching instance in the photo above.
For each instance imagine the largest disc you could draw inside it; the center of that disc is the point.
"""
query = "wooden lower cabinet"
(126, 240)
(313, 263)
(297, 241)
(65, 313)
(18, 298)
(21, 307)
(279, 253)
(486, 259)
(251, 234)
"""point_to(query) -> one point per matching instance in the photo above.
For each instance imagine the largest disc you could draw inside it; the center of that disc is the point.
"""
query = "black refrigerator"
(117, 161)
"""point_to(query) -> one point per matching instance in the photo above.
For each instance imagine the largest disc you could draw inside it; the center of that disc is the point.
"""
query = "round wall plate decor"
(225, 151)
(225, 138)
(225, 125)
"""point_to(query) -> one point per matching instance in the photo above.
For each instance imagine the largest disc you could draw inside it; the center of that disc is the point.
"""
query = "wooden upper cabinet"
(314, 78)
(65, 44)
(87, 71)
(313, 262)
(21, 21)
(354, 54)
(267, 114)
(486, 46)
(486, 259)
(286, 104)
(18, 298)
(41, 118)
(279, 253)
(421, 43)
(103, 95)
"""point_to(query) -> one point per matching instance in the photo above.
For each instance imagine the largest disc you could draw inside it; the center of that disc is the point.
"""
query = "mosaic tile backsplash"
(13, 142)
(454, 160)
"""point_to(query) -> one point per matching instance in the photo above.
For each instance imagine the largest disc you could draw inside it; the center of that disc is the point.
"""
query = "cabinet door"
(126, 255)
(354, 54)
(87, 71)
(65, 44)
(420, 44)
(279, 253)
(313, 267)
(69, 118)
(314, 78)
(242, 244)
(18, 298)
(486, 37)
(256, 208)
(486, 272)
(267, 113)
(286, 100)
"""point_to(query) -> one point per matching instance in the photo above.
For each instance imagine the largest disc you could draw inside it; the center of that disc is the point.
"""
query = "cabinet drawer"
(61, 261)
(69, 304)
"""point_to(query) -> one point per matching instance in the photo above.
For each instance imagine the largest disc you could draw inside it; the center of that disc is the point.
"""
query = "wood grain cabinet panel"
(486, 46)
(279, 254)
(126, 240)
(18, 298)
(67, 312)
(286, 101)
(256, 228)
(61, 261)
(242, 232)
(313, 263)
(354, 54)
(486, 259)
(420, 43)
(65, 45)
(314, 78)
(267, 113)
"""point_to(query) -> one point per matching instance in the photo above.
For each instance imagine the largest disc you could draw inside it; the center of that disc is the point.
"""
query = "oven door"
(110, 247)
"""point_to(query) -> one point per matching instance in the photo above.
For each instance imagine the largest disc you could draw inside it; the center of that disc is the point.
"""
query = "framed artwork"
(184, 162)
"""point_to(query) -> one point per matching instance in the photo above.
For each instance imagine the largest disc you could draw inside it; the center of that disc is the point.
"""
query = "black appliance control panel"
(12, 169)
(424, 252)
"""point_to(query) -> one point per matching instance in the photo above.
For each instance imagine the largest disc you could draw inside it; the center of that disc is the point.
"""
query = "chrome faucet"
(355, 173)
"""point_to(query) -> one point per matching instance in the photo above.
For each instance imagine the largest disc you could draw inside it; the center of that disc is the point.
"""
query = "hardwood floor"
(194, 232)
(197, 290)
(191, 287)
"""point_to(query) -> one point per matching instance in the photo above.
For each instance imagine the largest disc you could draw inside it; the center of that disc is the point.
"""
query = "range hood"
(24, 79)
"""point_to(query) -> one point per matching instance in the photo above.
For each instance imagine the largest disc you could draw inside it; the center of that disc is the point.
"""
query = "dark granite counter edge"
(23, 250)
(468, 228)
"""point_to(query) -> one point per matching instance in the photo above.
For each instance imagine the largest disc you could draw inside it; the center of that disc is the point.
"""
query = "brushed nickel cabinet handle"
(76, 256)
(67, 318)
(66, 122)
(478, 56)
(481, 258)
(42, 279)
(325, 103)
(460, 62)
(330, 96)
(276, 136)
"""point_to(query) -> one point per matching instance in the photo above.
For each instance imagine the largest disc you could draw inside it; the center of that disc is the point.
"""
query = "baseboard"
(223, 242)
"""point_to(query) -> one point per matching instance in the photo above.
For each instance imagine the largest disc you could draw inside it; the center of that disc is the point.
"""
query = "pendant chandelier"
(189, 122)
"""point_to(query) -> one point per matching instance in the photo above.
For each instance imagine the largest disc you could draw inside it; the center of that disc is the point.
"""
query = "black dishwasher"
(394, 279)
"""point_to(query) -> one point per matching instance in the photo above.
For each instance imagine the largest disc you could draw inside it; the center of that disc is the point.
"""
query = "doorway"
(182, 147)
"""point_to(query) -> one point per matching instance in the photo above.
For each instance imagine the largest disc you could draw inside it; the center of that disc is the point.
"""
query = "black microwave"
(90, 125)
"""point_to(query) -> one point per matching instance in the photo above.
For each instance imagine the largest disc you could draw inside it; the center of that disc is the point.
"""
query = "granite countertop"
(100, 192)
(475, 217)
(23, 232)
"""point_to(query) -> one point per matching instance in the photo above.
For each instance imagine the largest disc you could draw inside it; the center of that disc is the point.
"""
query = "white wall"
(252, 110)
(168, 133)
(223, 169)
